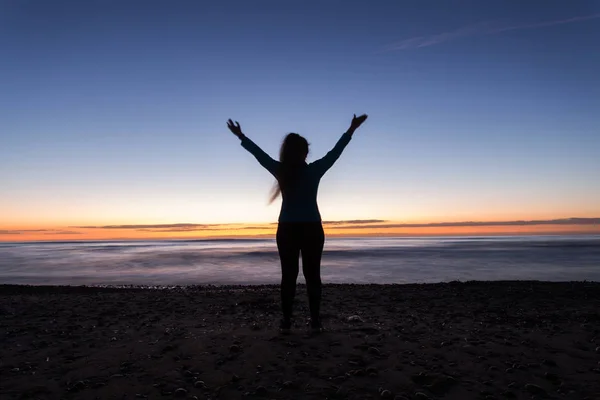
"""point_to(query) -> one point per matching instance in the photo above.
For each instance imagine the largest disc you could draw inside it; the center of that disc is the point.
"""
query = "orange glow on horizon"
(25, 234)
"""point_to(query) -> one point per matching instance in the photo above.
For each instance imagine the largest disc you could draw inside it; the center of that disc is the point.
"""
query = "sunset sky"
(481, 114)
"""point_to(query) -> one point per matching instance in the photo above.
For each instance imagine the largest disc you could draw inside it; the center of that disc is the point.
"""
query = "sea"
(345, 260)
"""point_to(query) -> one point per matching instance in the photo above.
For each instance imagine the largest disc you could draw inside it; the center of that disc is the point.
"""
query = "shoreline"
(17, 287)
(454, 340)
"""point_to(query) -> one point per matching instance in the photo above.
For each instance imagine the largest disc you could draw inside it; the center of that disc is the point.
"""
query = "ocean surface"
(345, 260)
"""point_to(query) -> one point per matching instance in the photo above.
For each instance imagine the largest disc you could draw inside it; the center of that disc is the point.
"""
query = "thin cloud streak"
(40, 231)
(191, 229)
(564, 221)
(348, 221)
(480, 29)
(152, 226)
(354, 221)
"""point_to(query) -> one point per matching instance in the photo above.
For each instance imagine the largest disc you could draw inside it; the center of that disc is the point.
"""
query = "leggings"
(294, 238)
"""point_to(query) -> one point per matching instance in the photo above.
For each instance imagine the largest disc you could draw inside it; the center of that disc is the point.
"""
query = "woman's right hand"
(357, 121)
(235, 128)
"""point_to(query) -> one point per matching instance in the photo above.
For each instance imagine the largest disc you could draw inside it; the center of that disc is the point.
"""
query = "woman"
(299, 229)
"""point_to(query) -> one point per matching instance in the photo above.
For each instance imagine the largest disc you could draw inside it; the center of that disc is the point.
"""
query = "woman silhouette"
(299, 228)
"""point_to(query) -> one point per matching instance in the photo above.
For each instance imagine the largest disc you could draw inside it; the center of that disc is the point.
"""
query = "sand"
(474, 340)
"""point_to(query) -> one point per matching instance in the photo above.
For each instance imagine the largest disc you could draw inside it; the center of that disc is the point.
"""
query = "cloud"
(349, 221)
(483, 28)
(182, 229)
(41, 231)
(354, 221)
(564, 221)
(152, 226)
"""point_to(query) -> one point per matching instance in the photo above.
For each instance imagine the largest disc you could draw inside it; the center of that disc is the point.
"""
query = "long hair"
(292, 156)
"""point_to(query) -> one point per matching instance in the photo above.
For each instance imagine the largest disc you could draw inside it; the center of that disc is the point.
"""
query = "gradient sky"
(113, 112)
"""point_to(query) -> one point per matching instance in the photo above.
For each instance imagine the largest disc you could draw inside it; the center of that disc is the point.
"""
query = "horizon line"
(339, 225)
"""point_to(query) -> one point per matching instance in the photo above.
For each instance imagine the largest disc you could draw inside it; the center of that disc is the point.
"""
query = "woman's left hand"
(235, 128)
(357, 121)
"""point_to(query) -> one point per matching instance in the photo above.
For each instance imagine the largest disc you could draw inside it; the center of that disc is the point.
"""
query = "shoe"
(285, 326)
(316, 326)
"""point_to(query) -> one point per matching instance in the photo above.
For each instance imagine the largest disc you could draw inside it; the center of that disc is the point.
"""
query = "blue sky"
(114, 111)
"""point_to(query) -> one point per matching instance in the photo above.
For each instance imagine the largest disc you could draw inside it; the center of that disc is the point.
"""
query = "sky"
(113, 121)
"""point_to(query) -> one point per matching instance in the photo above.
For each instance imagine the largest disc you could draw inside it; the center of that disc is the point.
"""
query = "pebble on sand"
(374, 351)
(355, 318)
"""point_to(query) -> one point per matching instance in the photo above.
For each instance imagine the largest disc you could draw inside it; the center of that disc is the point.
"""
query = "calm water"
(357, 260)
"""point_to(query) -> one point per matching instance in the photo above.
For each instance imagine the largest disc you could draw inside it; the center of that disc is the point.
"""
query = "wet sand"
(474, 340)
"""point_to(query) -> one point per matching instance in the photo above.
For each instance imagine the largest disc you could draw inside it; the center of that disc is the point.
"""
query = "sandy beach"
(474, 340)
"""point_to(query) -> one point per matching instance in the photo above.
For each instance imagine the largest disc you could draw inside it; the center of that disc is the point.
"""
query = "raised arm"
(323, 164)
(263, 158)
